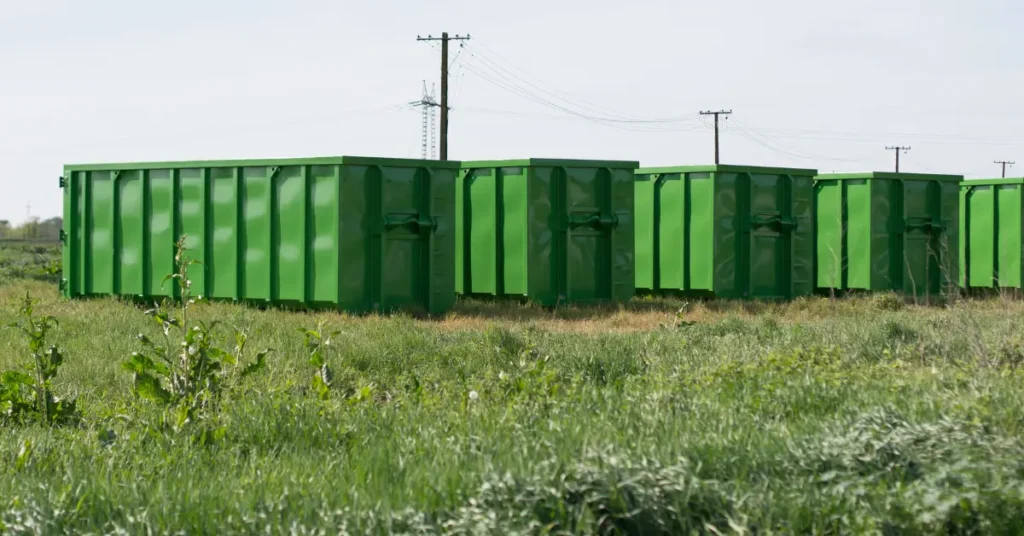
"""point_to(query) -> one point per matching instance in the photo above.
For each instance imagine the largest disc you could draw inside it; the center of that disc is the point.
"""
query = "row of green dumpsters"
(366, 234)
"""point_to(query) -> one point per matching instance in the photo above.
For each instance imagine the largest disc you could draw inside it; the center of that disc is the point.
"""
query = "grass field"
(821, 416)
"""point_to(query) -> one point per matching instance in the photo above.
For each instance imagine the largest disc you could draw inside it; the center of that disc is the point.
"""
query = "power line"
(897, 149)
(506, 85)
(755, 136)
(545, 96)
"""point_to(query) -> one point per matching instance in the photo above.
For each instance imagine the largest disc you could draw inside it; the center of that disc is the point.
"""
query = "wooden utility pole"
(1004, 163)
(898, 149)
(716, 114)
(444, 84)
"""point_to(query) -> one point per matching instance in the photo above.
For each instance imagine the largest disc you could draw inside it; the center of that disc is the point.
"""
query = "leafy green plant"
(318, 344)
(187, 372)
(28, 395)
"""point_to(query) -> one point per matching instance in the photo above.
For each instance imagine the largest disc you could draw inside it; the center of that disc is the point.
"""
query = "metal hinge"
(62, 284)
(63, 182)
(63, 235)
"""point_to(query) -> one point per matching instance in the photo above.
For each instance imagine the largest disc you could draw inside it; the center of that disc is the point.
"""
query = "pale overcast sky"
(813, 83)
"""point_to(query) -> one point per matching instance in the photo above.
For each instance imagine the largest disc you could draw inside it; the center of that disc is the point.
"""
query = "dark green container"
(350, 233)
(724, 231)
(553, 231)
(887, 232)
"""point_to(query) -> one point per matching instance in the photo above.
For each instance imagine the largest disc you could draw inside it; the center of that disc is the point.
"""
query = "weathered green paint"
(351, 233)
(991, 228)
(553, 231)
(886, 231)
(725, 231)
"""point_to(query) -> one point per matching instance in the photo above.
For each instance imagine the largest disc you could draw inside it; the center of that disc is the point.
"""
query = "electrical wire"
(752, 135)
(497, 70)
(503, 83)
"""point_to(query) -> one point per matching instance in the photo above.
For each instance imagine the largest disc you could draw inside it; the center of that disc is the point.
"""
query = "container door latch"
(414, 222)
(775, 221)
(594, 220)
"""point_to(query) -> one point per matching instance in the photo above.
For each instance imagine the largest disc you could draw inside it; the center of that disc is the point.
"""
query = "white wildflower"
(474, 396)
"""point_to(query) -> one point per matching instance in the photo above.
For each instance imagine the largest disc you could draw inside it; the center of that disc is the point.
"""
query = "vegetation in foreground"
(820, 416)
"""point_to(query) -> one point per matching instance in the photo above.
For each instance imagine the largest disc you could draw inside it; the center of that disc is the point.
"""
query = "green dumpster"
(887, 231)
(350, 233)
(552, 231)
(990, 231)
(724, 231)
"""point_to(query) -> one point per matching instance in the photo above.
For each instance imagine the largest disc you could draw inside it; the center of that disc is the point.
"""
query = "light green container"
(351, 233)
(552, 231)
(887, 232)
(991, 228)
(724, 231)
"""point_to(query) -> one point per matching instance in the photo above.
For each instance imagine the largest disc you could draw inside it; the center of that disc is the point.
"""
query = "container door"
(923, 239)
(597, 261)
(406, 228)
(771, 236)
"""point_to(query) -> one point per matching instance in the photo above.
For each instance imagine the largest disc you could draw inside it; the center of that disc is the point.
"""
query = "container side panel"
(223, 269)
(461, 253)
(101, 233)
(160, 259)
(766, 270)
(857, 259)
(545, 233)
(256, 232)
(323, 234)
(672, 216)
(129, 226)
(1009, 235)
(482, 219)
(981, 230)
(290, 234)
(359, 239)
(620, 238)
(193, 209)
(886, 242)
(81, 232)
(800, 269)
(439, 243)
(645, 199)
(515, 235)
(402, 268)
(948, 237)
(731, 233)
(703, 230)
(964, 237)
(829, 215)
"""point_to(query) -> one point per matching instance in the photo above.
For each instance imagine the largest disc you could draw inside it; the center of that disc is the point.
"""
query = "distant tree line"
(34, 229)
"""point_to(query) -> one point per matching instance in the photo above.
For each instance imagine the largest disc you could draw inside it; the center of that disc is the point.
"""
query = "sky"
(812, 84)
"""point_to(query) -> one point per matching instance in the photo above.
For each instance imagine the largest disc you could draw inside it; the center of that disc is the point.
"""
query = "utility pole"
(897, 148)
(1004, 163)
(444, 39)
(716, 114)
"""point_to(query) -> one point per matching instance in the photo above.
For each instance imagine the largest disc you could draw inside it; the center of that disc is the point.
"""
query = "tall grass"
(658, 417)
